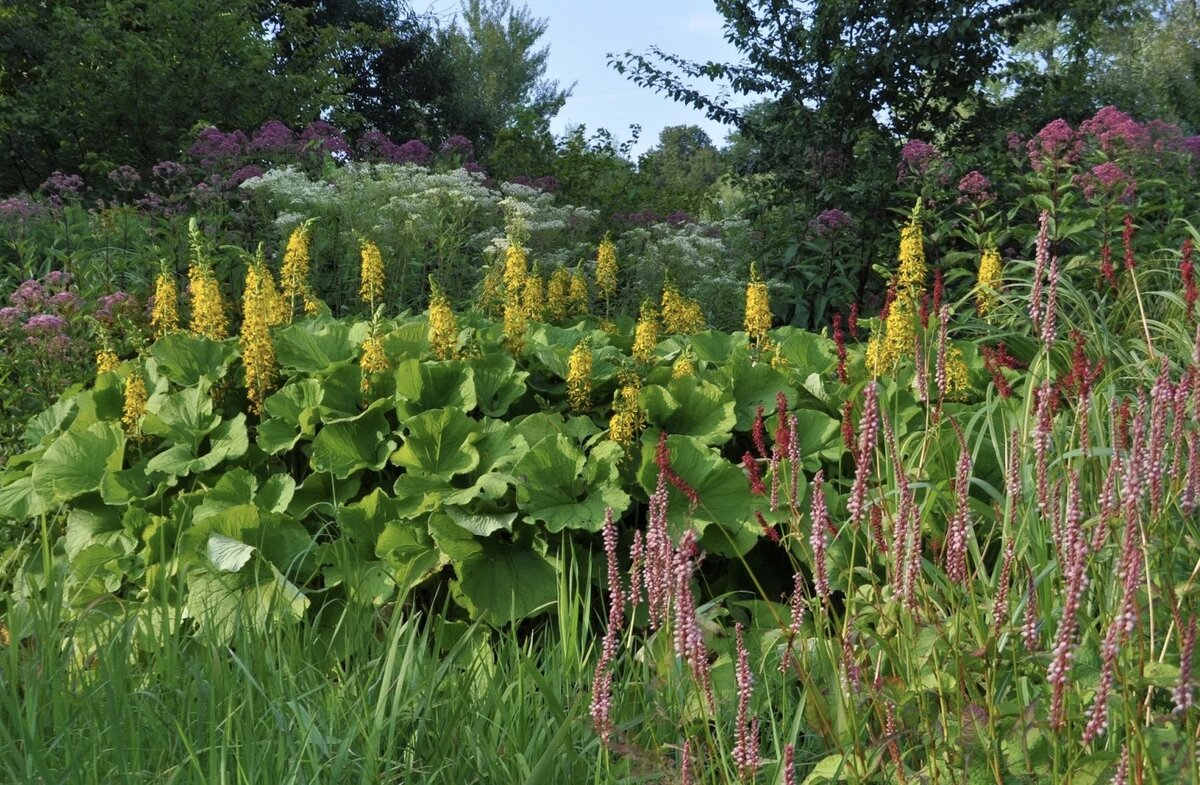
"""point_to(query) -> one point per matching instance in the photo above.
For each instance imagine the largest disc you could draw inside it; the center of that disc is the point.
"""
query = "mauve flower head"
(45, 324)
(1114, 130)
(111, 307)
(1015, 142)
(125, 177)
(168, 171)
(917, 159)
(244, 174)
(59, 346)
(1162, 136)
(1190, 145)
(549, 183)
(58, 279)
(975, 187)
(1055, 144)
(376, 146)
(325, 138)
(29, 295)
(273, 137)
(831, 221)
(215, 148)
(523, 179)
(19, 208)
(64, 302)
(59, 187)
(474, 168)
(414, 151)
(1108, 180)
(9, 315)
(458, 145)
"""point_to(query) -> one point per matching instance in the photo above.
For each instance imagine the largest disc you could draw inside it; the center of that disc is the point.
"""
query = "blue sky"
(581, 32)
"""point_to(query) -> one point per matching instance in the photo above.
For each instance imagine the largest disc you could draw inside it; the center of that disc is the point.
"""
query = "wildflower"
(106, 360)
(684, 365)
(957, 383)
(1183, 693)
(577, 293)
(370, 287)
(758, 309)
(688, 638)
(258, 353)
(579, 377)
(745, 748)
(681, 315)
(208, 307)
(164, 317)
(830, 222)
(606, 268)
(817, 537)
(601, 708)
(910, 274)
(532, 300)
(443, 329)
(294, 275)
(990, 276)
(374, 359)
(1127, 241)
(852, 322)
(514, 285)
(645, 335)
(627, 420)
(839, 341)
(135, 402)
(558, 294)
(491, 295)
(959, 528)
(868, 430)
(974, 188)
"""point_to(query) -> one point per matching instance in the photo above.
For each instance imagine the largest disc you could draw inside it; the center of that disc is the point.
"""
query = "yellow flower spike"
(443, 328)
(515, 321)
(645, 335)
(627, 420)
(135, 402)
(577, 293)
(899, 331)
(374, 359)
(558, 292)
(606, 268)
(680, 315)
(684, 365)
(579, 377)
(258, 352)
(164, 316)
(958, 385)
(758, 308)
(532, 299)
(990, 280)
(910, 274)
(106, 360)
(514, 269)
(208, 307)
(370, 287)
(294, 274)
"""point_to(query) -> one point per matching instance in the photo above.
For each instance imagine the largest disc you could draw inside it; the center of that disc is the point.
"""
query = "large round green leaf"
(690, 407)
(440, 443)
(346, 447)
(559, 487)
(75, 462)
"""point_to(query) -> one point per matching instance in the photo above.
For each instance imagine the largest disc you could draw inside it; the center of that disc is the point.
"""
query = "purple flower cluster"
(244, 174)
(214, 148)
(1053, 146)
(322, 137)
(19, 208)
(975, 188)
(1115, 131)
(831, 221)
(917, 160)
(45, 324)
(459, 146)
(115, 307)
(125, 177)
(1107, 181)
(60, 187)
(549, 184)
(168, 171)
(273, 137)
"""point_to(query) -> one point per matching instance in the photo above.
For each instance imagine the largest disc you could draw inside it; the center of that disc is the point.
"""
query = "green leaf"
(724, 492)
(828, 769)
(553, 487)
(296, 403)
(439, 443)
(807, 352)
(498, 385)
(19, 499)
(752, 385)
(180, 418)
(690, 407)
(189, 360)
(421, 386)
(712, 346)
(75, 463)
(409, 340)
(321, 493)
(343, 448)
(227, 554)
(312, 345)
(480, 523)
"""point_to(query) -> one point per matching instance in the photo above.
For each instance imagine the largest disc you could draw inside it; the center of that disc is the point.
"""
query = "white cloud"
(704, 23)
